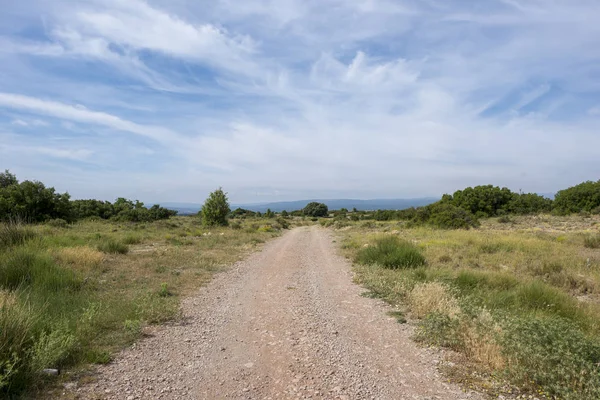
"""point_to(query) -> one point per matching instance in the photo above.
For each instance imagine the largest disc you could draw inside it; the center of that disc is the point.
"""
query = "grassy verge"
(71, 296)
(520, 301)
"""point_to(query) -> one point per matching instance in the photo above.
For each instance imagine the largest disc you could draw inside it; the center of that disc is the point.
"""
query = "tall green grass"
(28, 268)
(14, 233)
(113, 247)
(391, 252)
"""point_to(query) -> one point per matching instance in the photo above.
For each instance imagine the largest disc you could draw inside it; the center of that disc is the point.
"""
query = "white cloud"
(79, 113)
(31, 122)
(368, 98)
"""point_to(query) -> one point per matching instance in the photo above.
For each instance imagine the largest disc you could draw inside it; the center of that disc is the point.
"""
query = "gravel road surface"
(287, 323)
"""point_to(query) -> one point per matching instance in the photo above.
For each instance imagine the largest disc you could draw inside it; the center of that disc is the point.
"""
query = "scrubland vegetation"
(520, 301)
(509, 281)
(72, 294)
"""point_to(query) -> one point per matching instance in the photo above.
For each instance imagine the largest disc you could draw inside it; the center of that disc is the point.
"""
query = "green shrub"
(14, 234)
(315, 209)
(554, 354)
(592, 241)
(505, 219)
(51, 349)
(391, 252)
(582, 197)
(487, 200)
(164, 290)
(438, 329)
(113, 247)
(447, 216)
(283, 223)
(443, 215)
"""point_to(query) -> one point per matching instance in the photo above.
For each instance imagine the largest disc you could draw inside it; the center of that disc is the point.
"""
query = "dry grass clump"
(432, 297)
(83, 256)
(479, 337)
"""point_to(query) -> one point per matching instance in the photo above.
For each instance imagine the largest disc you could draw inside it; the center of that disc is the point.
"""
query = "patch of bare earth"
(286, 323)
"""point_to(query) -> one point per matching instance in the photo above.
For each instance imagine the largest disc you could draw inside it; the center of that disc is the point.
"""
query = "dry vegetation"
(72, 296)
(518, 298)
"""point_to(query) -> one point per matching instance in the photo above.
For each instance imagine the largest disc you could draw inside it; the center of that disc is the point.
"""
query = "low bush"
(554, 354)
(112, 246)
(505, 219)
(447, 216)
(283, 223)
(391, 252)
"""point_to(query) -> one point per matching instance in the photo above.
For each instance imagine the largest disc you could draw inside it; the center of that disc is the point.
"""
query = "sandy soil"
(286, 323)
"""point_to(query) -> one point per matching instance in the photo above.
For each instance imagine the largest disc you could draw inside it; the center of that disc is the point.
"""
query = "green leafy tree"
(285, 214)
(484, 201)
(315, 209)
(7, 179)
(529, 203)
(32, 201)
(92, 209)
(269, 213)
(215, 209)
(582, 197)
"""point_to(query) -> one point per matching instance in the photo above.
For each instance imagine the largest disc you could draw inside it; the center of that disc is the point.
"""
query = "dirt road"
(286, 323)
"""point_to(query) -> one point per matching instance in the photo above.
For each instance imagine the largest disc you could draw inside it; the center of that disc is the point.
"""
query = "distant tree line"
(464, 208)
(34, 202)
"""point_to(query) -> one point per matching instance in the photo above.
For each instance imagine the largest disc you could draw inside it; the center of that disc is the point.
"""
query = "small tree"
(215, 209)
(269, 213)
(315, 209)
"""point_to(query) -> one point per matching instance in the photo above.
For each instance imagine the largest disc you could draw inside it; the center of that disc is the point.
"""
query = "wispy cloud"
(294, 98)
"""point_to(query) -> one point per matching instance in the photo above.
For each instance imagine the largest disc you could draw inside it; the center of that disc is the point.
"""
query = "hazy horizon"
(280, 101)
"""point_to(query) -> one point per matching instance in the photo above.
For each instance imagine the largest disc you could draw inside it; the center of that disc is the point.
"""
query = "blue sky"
(291, 99)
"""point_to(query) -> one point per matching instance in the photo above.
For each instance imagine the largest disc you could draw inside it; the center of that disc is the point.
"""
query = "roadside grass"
(521, 301)
(391, 252)
(73, 297)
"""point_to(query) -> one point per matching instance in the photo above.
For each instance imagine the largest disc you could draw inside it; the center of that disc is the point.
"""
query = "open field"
(519, 300)
(72, 295)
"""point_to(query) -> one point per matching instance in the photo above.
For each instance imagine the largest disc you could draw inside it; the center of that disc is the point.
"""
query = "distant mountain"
(333, 204)
(183, 208)
(336, 204)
